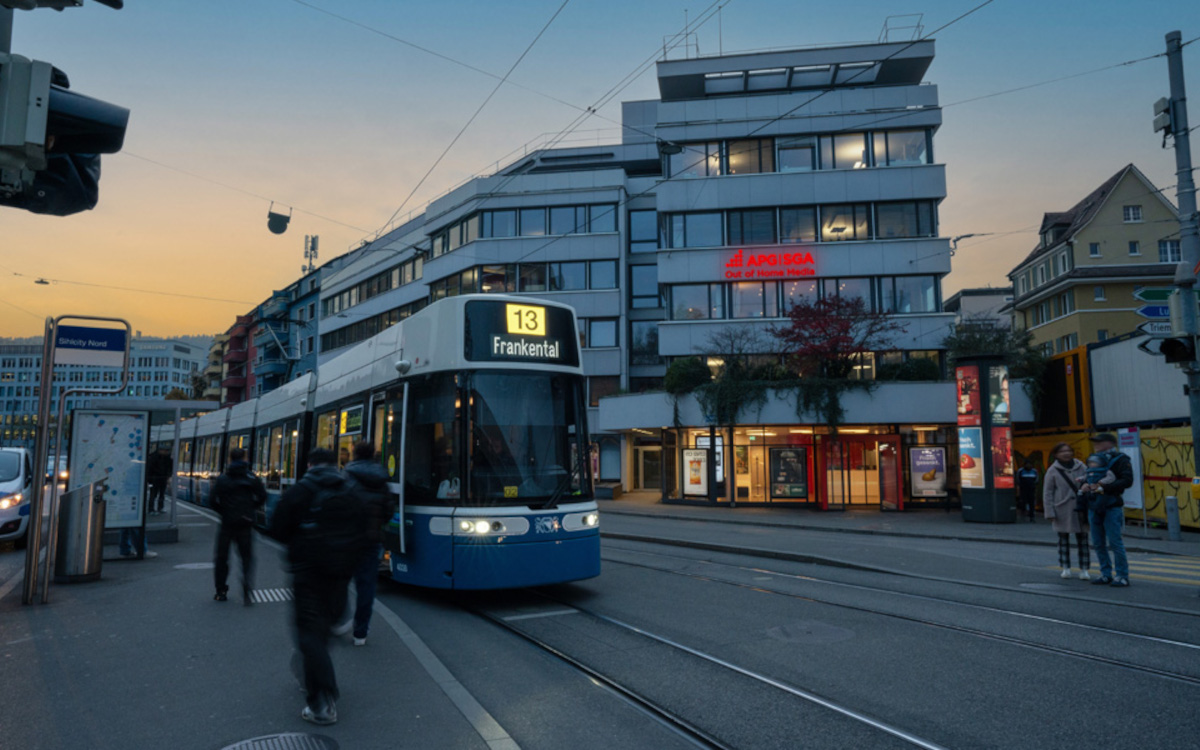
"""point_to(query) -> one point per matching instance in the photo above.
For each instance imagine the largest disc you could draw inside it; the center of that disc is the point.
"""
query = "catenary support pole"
(1189, 239)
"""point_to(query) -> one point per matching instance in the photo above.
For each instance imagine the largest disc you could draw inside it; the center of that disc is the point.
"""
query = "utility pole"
(1174, 121)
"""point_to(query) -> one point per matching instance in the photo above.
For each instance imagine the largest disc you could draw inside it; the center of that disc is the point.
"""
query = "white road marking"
(552, 613)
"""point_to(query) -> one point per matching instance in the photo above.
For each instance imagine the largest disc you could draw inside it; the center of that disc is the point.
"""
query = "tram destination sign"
(503, 331)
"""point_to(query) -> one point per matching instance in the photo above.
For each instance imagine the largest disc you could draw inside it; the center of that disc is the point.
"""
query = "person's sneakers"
(360, 641)
(1102, 581)
(222, 595)
(129, 554)
(149, 554)
(324, 714)
(1084, 575)
(1066, 573)
(1120, 583)
(343, 628)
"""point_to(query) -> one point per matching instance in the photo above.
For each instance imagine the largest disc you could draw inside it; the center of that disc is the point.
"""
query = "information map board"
(109, 445)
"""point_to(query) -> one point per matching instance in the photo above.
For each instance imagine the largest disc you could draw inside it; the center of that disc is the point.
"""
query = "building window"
(750, 156)
(697, 230)
(533, 277)
(643, 343)
(603, 274)
(845, 151)
(1093, 249)
(533, 222)
(752, 227)
(909, 294)
(753, 299)
(498, 279)
(1132, 214)
(1098, 294)
(1135, 247)
(568, 219)
(599, 387)
(1102, 335)
(795, 292)
(845, 222)
(602, 333)
(643, 231)
(568, 277)
(1169, 251)
(643, 287)
(692, 302)
(797, 225)
(908, 219)
(901, 148)
(797, 154)
(697, 160)
(602, 218)
(1022, 284)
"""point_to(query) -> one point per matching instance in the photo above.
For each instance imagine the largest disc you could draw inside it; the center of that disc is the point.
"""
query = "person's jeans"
(242, 536)
(320, 600)
(158, 492)
(131, 538)
(365, 578)
(1106, 535)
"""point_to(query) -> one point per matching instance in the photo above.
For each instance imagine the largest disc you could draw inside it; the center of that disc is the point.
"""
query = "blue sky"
(264, 100)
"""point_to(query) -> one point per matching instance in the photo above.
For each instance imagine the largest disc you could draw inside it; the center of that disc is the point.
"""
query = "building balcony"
(269, 332)
(275, 307)
(234, 355)
(234, 382)
(237, 331)
(271, 368)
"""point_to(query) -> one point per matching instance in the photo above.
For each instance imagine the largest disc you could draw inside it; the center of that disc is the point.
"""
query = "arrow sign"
(1157, 329)
(1153, 293)
(1154, 312)
(1144, 346)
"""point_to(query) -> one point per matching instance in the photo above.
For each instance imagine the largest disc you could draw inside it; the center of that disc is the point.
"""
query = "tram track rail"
(967, 630)
(681, 726)
(810, 559)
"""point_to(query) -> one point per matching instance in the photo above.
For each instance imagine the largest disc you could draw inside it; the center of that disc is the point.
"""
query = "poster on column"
(695, 472)
(928, 469)
(1129, 442)
(111, 447)
(970, 457)
(998, 403)
(969, 408)
(1002, 457)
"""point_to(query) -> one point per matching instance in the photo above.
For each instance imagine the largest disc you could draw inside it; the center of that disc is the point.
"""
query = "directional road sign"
(1157, 329)
(1154, 312)
(1145, 346)
(1154, 293)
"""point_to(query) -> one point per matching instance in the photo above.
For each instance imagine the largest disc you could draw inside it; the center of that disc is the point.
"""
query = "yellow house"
(1077, 285)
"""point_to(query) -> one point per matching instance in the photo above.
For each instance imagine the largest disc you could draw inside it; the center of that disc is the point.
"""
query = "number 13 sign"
(526, 320)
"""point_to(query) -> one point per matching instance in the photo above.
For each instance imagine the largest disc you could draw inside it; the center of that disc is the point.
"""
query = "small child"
(1098, 476)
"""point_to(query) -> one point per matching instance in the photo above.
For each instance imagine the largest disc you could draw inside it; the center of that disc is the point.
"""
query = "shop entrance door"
(647, 468)
(862, 471)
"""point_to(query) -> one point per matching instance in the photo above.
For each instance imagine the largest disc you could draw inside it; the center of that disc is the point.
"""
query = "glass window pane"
(771, 299)
(716, 298)
(604, 274)
(703, 230)
(691, 162)
(797, 154)
(795, 292)
(752, 227)
(750, 156)
(925, 227)
(689, 302)
(915, 294)
(826, 152)
(504, 223)
(896, 220)
(533, 277)
(566, 277)
(599, 387)
(562, 220)
(533, 222)
(905, 147)
(498, 279)
(602, 332)
(843, 222)
(677, 236)
(643, 343)
(643, 247)
(602, 218)
(797, 225)
(850, 151)
(855, 288)
(746, 299)
(643, 286)
(643, 226)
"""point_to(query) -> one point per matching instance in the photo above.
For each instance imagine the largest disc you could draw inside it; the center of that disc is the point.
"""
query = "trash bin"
(80, 544)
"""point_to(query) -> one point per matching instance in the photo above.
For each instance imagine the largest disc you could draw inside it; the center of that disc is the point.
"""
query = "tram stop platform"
(145, 658)
(923, 523)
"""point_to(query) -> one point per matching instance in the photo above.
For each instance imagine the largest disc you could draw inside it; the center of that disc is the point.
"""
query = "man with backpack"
(322, 521)
(237, 496)
(369, 481)
(1105, 509)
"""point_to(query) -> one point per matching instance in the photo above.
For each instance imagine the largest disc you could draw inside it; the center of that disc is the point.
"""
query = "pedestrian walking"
(369, 481)
(1027, 480)
(159, 468)
(237, 496)
(322, 522)
(1106, 513)
(1066, 510)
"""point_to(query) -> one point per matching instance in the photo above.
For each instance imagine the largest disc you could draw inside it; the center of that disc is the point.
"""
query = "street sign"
(1144, 346)
(1154, 312)
(1153, 293)
(79, 345)
(1157, 329)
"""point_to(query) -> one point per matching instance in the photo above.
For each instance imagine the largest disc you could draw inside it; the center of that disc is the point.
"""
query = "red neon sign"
(770, 265)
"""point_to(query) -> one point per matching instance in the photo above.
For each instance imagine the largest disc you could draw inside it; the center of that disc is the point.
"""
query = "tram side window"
(326, 430)
(260, 452)
(432, 442)
(274, 457)
(387, 425)
(291, 446)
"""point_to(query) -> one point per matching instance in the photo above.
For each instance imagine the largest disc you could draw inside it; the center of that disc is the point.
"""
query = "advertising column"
(985, 440)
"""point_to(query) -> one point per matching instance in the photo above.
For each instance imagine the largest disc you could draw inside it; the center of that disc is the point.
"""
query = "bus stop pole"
(33, 534)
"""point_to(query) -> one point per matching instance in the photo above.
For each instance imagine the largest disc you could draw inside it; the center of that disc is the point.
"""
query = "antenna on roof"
(310, 253)
(904, 25)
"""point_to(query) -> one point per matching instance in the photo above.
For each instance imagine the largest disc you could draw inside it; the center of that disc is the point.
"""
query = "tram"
(476, 407)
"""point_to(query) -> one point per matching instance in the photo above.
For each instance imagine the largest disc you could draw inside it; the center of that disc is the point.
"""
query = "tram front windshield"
(526, 431)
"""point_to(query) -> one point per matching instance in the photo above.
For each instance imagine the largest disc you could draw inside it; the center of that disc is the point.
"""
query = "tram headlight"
(479, 526)
(591, 519)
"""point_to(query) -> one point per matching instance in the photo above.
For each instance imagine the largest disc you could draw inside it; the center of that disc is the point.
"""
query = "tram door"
(388, 429)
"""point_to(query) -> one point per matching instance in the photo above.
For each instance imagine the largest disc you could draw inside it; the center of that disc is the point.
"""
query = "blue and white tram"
(476, 406)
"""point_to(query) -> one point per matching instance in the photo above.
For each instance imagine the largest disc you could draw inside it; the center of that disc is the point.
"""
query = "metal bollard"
(1173, 532)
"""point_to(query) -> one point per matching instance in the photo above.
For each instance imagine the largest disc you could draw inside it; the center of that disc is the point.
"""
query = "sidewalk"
(923, 523)
(145, 658)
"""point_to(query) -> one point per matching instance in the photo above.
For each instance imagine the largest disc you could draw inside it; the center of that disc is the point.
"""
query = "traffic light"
(51, 139)
(1179, 350)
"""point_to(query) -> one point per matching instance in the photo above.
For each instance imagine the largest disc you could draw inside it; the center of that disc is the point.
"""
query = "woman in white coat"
(1060, 493)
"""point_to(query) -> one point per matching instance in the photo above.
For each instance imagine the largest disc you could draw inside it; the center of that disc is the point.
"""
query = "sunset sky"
(237, 103)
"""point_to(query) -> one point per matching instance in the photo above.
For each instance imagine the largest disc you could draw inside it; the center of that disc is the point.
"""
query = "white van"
(16, 485)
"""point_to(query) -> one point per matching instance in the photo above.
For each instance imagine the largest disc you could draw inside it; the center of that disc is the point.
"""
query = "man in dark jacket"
(369, 481)
(309, 519)
(237, 496)
(159, 468)
(1105, 511)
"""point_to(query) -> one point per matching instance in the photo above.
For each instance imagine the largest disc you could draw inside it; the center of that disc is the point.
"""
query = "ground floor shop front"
(889, 467)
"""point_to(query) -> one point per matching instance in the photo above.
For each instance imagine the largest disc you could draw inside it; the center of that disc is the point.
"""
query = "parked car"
(16, 484)
(56, 467)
